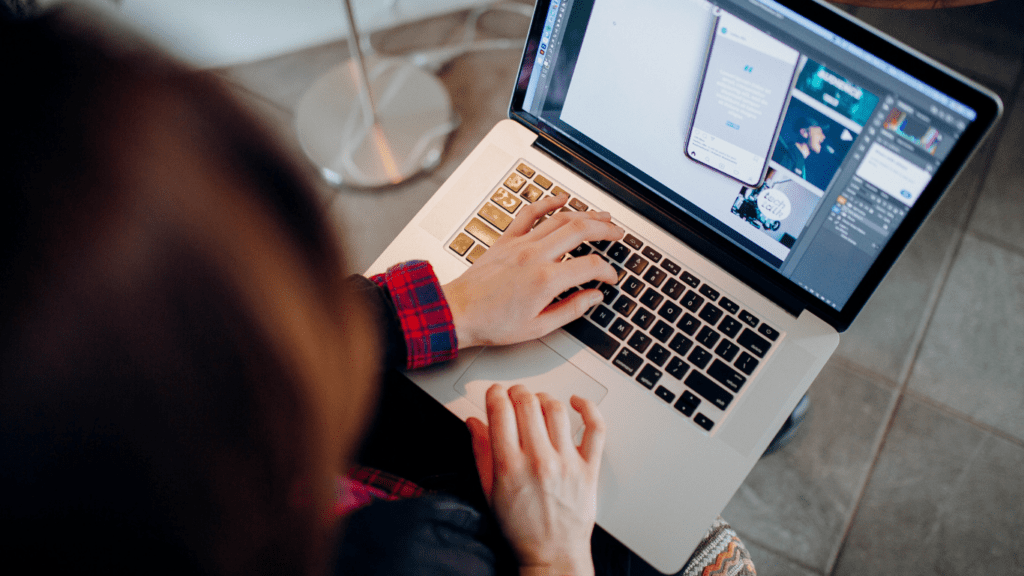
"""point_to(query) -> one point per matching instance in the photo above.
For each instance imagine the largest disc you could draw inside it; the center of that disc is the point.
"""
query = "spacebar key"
(598, 340)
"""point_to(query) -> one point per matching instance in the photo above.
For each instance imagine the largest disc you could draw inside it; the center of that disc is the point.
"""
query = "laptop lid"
(788, 143)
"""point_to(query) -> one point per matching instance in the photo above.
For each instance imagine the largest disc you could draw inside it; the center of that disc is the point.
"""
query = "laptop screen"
(799, 147)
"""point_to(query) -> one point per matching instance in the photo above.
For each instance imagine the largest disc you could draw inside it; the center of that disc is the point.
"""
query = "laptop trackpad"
(535, 366)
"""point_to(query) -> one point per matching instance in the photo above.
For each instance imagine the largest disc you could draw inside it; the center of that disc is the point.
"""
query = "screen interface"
(857, 139)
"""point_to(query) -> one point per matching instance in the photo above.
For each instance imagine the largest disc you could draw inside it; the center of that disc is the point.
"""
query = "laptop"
(769, 160)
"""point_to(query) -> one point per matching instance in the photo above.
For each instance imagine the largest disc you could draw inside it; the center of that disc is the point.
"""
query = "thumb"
(480, 434)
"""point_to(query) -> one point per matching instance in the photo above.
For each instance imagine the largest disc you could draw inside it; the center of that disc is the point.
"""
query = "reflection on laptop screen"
(849, 146)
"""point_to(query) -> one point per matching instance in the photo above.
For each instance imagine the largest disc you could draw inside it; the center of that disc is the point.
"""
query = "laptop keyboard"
(674, 334)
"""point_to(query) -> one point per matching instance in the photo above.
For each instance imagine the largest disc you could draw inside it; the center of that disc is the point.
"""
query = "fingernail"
(595, 299)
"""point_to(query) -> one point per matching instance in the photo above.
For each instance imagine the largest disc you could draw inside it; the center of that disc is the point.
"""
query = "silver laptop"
(768, 160)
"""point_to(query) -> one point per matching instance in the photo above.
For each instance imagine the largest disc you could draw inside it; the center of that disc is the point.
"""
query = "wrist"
(581, 566)
(454, 296)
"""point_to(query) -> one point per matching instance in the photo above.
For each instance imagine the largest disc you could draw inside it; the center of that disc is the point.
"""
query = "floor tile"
(370, 219)
(800, 499)
(972, 358)
(1001, 203)
(944, 498)
(984, 42)
(768, 563)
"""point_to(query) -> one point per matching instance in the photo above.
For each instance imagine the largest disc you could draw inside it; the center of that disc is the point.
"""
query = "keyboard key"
(620, 329)
(621, 273)
(727, 350)
(685, 407)
(730, 326)
(627, 361)
(753, 342)
(591, 284)
(670, 311)
(710, 292)
(689, 398)
(525, 170)
(633, 241)
(652, 254)
(688, 324)
(610, 292)
(643, 318)
(569, 291)
(649, 376)
(475, 253)
(677, 368)
(732, 379)
(673, 288)
(581, 250)
(507, 200)
(482, 232)
(618, 252)
(665, 394)
(542, 181)
(692, 301)
(558, 191)
(746, 363)
(681, 344)
(768, 332)
(515, 182)
(495, 216)
(672, 267)
(658, 355)
(708, 390)
(651, 298)
(602, 316)
(596, 339)
(711, 314)
(699, 357)
(601, 245)
(703, 421)
(707, 336)
(639, 341)
(578, 205)
(749, 319)
(730, 306)
(662, 331)
(690, 279)
(632, 286)
(637, 264)
(461, 244)
(655, 276)
(532, 193)
(624, 306)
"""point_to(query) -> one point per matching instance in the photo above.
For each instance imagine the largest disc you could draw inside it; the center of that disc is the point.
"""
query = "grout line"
(998, 242)
(904, 379)
(953, 412)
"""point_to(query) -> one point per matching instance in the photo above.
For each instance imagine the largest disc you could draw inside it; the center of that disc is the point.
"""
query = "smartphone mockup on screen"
(743, 96)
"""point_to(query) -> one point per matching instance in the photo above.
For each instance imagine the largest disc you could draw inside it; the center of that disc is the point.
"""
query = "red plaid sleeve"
(362, 485)
(423, 313)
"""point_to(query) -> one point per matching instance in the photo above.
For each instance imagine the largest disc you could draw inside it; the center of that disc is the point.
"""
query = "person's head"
(182, 367)
(810, 132)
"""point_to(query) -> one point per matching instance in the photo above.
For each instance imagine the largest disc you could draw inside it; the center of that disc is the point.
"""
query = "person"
(187, 367)
(805, 137)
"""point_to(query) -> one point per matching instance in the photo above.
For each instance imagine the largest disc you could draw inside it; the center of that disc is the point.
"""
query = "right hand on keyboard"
(506, 297)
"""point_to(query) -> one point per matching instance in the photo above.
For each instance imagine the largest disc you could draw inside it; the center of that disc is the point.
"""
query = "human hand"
(543, 489)
(505, 297)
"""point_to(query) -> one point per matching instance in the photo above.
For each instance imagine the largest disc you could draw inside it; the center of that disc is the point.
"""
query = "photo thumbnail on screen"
(825, 115)
(780, 207)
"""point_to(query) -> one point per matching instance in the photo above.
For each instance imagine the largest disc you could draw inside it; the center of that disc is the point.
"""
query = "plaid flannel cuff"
(423, 313)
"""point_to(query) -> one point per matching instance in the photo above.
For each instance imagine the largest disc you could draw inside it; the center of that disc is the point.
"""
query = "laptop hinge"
(683, 231)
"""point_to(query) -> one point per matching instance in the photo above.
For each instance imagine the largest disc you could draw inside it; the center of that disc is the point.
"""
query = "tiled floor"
(913, 459)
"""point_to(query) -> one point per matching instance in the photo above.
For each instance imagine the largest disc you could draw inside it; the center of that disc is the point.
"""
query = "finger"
(533, 435)
(577, 230)
(480, 435)
(564, 311)
(529, 215)
(557, 421)
(560, 219)
(577, 271)
(501, 419)
(593, 432)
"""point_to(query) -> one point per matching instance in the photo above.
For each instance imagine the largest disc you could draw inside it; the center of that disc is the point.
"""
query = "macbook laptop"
(769, 160)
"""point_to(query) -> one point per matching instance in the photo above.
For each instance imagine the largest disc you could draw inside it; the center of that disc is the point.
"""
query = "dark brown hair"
(152, 420)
